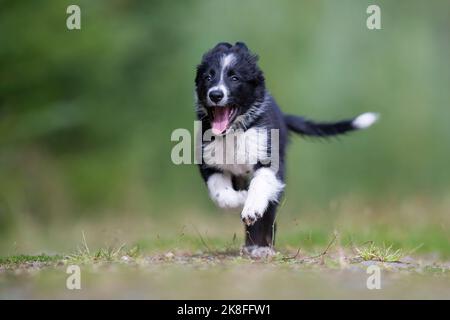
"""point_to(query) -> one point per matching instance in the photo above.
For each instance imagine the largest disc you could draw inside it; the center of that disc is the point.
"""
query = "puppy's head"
(228, 83)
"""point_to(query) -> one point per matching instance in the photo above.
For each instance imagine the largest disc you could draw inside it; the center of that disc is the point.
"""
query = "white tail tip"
(365, 120)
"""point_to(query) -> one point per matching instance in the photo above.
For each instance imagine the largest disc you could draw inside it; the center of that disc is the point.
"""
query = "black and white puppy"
(232, 101)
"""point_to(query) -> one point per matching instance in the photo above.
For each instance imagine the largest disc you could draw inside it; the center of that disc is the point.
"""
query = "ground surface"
(319, 256)
(226, 274)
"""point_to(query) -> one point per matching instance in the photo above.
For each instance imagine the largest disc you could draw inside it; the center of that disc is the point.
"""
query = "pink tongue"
(220, 121)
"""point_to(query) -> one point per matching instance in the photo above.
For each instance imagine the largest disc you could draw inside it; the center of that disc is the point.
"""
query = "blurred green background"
(86, 117)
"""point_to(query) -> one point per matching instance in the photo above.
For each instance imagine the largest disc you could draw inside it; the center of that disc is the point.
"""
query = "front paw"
(230, 199)
(253, 210)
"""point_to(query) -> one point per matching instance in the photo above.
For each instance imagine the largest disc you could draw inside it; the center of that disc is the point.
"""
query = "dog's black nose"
(216, 95)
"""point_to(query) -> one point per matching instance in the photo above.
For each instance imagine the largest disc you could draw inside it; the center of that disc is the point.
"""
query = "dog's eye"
(208, 78)
(234, 78)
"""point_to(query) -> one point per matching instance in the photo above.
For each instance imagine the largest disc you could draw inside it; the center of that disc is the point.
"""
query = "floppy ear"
(223, 45)
(241, 45)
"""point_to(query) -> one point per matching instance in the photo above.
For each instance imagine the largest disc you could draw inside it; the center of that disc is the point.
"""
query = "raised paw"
(229, 199)
(253, 210)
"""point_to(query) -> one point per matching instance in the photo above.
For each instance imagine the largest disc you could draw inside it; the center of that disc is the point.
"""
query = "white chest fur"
(237, 152)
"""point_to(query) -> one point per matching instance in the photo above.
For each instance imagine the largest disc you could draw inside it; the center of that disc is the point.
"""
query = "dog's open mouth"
(222, 117)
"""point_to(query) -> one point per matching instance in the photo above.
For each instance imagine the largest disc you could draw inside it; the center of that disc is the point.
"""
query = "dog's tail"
(306, 127)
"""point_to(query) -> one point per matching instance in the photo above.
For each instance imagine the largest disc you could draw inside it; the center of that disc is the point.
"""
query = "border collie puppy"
(244, 138)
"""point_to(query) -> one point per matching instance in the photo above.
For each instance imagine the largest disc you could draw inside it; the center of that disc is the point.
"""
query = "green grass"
(372, 252)
(108, 254)
(23, 258)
